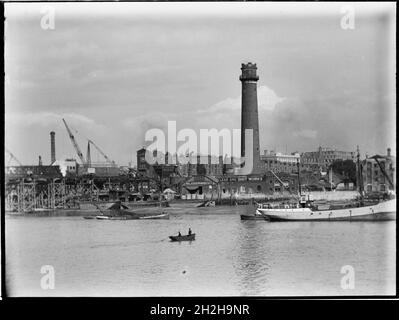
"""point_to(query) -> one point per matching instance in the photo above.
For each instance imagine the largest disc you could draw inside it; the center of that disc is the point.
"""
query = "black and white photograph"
(203, 149)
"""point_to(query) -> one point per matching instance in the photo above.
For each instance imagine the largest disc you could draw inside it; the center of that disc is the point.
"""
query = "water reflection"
(250, 264)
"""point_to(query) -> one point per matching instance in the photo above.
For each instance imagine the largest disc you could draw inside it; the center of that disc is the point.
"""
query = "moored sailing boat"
(305, 211)
(385, 210)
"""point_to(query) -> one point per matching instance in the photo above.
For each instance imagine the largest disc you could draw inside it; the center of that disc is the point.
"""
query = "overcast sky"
(114, 71)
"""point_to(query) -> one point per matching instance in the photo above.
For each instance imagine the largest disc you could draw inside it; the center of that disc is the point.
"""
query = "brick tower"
(52, 146)
(249, 112)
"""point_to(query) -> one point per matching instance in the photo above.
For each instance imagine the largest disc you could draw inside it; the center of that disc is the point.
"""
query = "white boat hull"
(382, 211)
(159, 216)
(102, 217)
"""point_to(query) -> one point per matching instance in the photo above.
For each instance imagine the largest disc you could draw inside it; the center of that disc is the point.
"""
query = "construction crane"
(279, 180)
(12, 157)
(75, 144)
(99, 150)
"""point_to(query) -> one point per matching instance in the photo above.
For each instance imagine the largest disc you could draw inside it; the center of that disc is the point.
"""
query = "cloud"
(306, 133)
(223, 114)
(47, 119)
(147, 121)
(267, 100)
(139, 125)
(114, 81)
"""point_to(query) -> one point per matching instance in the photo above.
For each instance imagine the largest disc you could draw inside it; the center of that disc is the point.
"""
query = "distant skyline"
(115, 70)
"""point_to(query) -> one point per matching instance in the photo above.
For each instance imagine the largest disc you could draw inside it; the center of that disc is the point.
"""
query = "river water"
(229, 257)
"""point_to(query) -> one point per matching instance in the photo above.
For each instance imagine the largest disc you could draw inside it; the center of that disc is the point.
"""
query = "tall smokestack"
(52, 141)
(249, 112)
(88, 155)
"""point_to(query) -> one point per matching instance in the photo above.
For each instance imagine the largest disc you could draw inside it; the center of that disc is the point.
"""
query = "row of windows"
(271, 162)
(381, 188)
(244, 189)
(325, 160)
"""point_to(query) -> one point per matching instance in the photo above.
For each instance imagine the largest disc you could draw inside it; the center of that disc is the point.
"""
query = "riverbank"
(337, 197)
(175, 210)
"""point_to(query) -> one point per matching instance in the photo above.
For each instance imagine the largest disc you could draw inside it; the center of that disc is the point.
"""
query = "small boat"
(207, 204)
(41, 209)
(89, 217)
(103, 217)
(188, 237)
(254, 217)
(158, 216)
(117, 217)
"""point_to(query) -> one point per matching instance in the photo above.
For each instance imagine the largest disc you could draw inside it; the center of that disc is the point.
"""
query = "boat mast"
(299, 179)
(160, 193)
(359, 175)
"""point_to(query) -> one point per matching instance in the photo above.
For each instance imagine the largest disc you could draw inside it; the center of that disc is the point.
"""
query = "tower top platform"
(249, 72)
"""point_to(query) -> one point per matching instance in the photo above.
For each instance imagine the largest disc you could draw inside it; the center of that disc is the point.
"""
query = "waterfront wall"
(317, 196)
(333, 195)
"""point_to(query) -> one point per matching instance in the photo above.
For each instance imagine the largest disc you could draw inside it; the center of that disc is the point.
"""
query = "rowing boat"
(254, 217)
(188, 237)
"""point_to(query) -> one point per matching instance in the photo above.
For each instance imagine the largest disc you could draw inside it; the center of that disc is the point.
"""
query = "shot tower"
(249, 113)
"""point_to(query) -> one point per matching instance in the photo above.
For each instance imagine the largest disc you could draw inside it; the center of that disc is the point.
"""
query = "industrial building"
(379, 173)
(212, 166)
(279, 162)
(323, 157)
(42, 172)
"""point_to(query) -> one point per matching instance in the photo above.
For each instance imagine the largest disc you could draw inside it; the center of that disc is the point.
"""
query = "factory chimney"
(249, 112)
(52, 141)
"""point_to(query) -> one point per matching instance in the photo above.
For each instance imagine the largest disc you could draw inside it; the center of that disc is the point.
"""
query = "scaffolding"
(87, 191)
(37, 194)
(31, 196)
